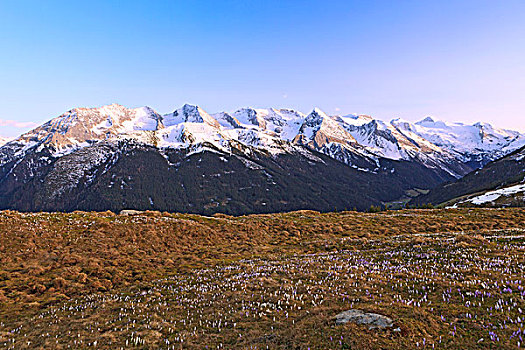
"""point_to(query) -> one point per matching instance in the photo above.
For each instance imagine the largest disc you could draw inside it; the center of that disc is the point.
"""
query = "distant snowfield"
(491, 196)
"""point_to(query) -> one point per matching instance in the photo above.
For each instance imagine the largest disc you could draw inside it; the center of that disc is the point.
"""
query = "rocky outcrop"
(372, 320)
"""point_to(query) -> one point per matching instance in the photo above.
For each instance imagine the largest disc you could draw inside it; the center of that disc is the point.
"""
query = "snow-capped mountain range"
(85, 144)
(455, 147)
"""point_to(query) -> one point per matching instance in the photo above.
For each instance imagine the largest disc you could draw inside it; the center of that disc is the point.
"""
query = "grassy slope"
(166, 280)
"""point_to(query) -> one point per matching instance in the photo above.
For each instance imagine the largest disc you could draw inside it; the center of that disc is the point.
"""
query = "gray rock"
(130, 212)
(372, 320)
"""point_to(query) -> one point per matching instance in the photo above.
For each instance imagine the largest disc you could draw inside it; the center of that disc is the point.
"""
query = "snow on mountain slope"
(283, 123)
(325, 134)
(183, 134)
(500, 173)
(320, 129)
(189, 114)
(376, 136)
(385, 140)
(80, 127)
(356, 120)
(189, 127)
(466, 140)
(403, 127)
(227, 121)
(357, 140)
(492, 196)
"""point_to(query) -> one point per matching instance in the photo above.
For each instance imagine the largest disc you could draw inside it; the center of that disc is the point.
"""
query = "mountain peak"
(316, 115)
(146, 109)
(427, 120)
(189, 114)
(319, 112)
(191, 107)
(482, 125)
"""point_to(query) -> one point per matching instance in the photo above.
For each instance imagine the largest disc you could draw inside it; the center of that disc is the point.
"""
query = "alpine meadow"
(299, 175)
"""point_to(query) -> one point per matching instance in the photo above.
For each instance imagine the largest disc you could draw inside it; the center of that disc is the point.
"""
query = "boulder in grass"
(130, 212)
(371, 320)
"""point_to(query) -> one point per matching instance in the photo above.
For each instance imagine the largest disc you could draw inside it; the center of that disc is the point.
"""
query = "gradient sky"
(455, 60)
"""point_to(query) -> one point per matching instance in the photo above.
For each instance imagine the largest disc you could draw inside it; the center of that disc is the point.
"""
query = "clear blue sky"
(455, 60)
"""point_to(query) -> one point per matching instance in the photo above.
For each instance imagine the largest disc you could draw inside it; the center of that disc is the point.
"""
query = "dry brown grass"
(48, 261)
